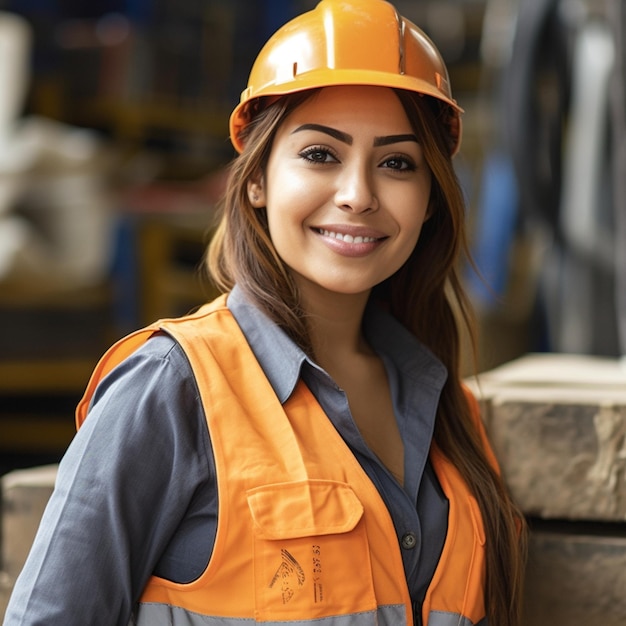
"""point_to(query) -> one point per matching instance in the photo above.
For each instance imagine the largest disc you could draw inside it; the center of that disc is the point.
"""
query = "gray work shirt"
(136, 490)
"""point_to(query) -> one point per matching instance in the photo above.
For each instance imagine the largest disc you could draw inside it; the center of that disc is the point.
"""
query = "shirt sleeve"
(123, 488)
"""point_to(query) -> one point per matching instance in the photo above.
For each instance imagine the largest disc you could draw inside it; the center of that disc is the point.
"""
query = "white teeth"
(347, 238)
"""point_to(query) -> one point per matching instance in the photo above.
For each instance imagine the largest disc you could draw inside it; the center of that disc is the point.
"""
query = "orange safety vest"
(303, 535)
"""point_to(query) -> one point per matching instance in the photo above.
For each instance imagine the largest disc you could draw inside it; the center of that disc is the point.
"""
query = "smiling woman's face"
(346, 189)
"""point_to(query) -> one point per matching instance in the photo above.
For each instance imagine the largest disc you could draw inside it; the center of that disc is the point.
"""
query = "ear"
(256, 191)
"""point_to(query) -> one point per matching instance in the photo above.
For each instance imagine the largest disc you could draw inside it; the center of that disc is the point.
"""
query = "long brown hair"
(425, 294)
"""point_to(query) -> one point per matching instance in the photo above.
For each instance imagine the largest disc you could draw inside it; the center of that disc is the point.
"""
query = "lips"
(350, 241)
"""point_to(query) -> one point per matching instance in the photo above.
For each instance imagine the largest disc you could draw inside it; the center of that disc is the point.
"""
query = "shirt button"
(409, 541)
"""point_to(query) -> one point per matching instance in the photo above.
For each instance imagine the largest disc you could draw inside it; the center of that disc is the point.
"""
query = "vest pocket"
(311, 551)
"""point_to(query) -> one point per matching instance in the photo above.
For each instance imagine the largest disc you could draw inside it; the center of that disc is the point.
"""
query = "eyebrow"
(333, 132)
(385, 141)
(348, 139)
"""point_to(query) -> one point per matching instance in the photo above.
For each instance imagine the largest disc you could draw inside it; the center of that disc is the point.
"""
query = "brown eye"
(318, 154)
(399, 163)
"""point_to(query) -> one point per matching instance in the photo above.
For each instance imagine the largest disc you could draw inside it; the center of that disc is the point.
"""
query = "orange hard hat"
(348, 42)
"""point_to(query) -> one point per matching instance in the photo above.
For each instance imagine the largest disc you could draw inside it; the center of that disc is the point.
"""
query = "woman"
(302, 449)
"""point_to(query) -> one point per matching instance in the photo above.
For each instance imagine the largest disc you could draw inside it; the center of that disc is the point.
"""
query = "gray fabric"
(439, 618)
(159, 614)
(123, 489)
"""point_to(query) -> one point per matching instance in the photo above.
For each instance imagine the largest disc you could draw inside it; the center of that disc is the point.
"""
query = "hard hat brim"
(240, 116)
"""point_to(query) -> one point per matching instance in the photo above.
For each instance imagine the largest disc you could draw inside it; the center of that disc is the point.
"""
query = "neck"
(334, 322)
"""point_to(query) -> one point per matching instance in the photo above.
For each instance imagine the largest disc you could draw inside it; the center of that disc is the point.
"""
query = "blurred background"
(113, 142)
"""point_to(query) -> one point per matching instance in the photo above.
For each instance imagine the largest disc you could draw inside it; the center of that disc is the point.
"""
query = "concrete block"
(25, 494)
(575, 579)
(558, 427)
(6, 585)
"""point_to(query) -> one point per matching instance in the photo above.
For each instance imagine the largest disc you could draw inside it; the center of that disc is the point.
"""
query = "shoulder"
(157, 364)
(151, 395)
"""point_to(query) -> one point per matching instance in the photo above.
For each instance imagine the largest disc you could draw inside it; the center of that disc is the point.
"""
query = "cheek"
(412, 218)
(286, 173)
(411, 225)
(291, 200)
(285, 221)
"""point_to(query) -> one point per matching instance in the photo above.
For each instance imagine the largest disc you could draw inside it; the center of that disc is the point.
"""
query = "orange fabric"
(452, 589)
(302, 532)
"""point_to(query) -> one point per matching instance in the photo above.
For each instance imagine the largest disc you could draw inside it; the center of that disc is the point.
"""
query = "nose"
(355, 189)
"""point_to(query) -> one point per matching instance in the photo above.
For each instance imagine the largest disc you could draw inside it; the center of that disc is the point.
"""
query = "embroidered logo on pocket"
(289, 576)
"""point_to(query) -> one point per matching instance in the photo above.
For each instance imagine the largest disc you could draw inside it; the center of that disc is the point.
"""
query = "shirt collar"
(282, 360)
(391, 340)
(279, 357)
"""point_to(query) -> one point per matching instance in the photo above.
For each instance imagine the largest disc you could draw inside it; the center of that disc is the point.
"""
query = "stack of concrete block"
(558, 426)
(25, 494)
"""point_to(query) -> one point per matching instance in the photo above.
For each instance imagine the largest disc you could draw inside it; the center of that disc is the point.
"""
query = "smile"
(347, 238)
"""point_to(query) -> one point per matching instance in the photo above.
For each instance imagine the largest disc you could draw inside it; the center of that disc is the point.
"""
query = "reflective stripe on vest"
(303, 535)
(156, 614)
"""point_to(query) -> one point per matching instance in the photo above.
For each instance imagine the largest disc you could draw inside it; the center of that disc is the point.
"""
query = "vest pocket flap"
(303, 509)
